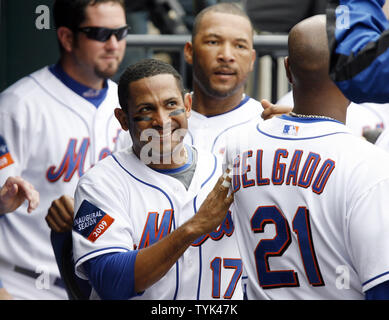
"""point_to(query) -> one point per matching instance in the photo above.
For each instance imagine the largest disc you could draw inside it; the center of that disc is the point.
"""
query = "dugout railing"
(273, 47)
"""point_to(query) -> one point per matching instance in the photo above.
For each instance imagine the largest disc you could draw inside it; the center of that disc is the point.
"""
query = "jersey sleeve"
(358, 39)
(100, 225)
(14, 135)
(368, 235)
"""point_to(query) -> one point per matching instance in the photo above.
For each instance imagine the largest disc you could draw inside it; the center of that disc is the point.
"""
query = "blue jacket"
(358, 38)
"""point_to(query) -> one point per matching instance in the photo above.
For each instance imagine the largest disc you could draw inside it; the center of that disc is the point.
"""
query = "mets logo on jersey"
(91, 222)
(5, 156)
(73, 161)
(153, 231)
(290, 130)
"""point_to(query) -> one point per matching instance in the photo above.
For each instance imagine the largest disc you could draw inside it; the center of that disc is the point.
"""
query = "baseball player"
(138, 210)
(220, 71)
(310, 198)
(54, 125)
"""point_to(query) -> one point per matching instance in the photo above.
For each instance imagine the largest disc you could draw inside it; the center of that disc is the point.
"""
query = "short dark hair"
(72, 13)
(143, 69)
(223, 7)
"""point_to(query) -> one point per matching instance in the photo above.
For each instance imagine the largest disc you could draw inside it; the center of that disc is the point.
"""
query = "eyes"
(239, 44)
(148, 108)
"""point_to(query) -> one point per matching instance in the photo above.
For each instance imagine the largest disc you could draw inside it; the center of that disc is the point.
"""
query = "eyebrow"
(150, 104)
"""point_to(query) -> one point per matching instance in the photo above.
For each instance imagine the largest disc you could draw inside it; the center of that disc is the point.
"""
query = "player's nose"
(226, 52)
(161, 119)
(112, 43)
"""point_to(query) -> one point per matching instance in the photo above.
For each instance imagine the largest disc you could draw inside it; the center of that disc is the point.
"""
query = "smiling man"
(56, 123)
(146, 214)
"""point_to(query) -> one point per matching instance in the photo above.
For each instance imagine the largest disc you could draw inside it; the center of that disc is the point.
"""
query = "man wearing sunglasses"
(57, 123)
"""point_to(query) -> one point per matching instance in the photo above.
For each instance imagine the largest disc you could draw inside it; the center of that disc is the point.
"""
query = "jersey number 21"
(279, 244)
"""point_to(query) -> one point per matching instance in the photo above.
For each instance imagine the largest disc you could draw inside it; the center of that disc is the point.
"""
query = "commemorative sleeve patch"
(91, 222)
(5, 156)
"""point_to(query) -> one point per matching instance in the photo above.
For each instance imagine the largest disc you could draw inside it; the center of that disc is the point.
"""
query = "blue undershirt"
(96, 97)
(112, 275)
(379, 292)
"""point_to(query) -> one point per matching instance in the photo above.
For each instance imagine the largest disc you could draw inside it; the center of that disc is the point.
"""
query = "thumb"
(11, 190)
(266, 104)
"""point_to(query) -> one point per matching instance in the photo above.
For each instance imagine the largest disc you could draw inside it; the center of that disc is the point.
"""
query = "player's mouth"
(224, 73)
(110, 58)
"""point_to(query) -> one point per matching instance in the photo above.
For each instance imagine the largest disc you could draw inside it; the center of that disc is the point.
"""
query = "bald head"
(308, 50)
(308, 70)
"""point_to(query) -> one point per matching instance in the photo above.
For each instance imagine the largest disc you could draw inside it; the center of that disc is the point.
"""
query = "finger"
(59, 219)
(52, 224)
(266, 104)
(12, 190)
(33, 201)
(9, 190)
(69, 205)
(65, 209)
(31, 195)
(229, 200)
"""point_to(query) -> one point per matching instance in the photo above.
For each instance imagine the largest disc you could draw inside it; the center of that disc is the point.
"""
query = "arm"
(358, 39)
(60, 214)
(14, 192)
(379, 292)
(141, 269)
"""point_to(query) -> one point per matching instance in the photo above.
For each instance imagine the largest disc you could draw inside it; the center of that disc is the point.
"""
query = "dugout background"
(23, 47)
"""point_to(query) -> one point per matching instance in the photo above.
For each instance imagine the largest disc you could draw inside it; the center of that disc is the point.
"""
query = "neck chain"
(312, 116)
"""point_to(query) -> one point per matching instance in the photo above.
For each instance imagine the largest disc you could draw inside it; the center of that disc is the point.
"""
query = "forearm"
(153, 262)
(123, 275)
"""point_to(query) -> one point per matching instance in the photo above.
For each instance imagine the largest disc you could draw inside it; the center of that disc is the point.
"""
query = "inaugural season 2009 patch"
(91, 222)
(5, 156)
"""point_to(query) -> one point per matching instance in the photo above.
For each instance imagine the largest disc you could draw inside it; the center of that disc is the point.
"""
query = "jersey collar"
(96, 97)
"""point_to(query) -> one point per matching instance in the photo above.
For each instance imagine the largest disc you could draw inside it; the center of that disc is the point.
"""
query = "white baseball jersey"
(360, 118)
(220, 254)
(310, 210)
(210, 133)
(383, 140)
(50, 136)
(381, 110)
(140, 206)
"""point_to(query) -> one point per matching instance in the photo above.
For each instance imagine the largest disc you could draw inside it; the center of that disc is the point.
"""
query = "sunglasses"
(104, 34)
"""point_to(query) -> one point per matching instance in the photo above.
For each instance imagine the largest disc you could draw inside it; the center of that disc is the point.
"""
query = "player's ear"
(66, 38)
(122, 118)
(287, 69)
(188, 52)
(188, 104)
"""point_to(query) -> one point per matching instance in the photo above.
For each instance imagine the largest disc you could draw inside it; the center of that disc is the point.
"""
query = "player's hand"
(14, 192)
(61, 213)
(4, 294)
(271, 110)
(215, 207)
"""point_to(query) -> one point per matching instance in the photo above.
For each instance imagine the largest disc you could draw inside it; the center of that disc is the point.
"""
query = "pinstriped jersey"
(310, 210)
(219, 276)
(130, 206)
(53, 136)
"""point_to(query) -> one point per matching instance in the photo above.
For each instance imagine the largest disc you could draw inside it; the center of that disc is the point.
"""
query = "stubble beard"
(107, 72)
